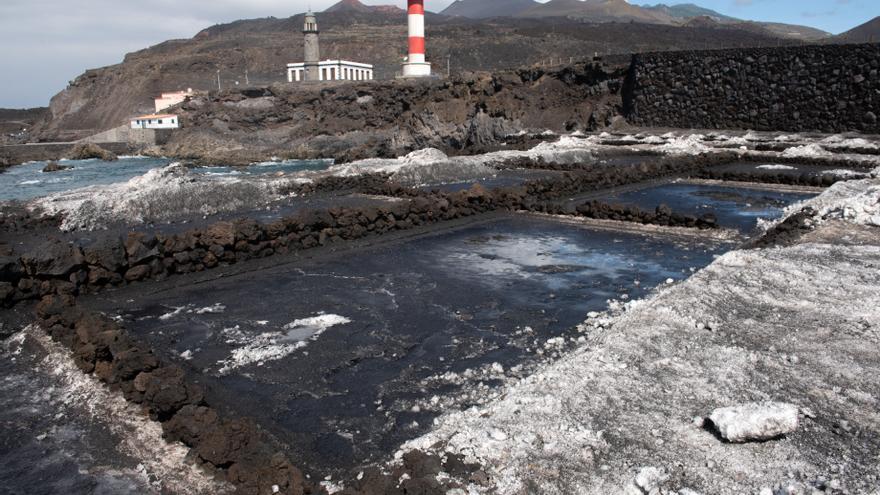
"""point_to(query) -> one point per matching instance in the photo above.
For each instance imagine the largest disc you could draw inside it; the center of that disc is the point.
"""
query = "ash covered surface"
(342, 356)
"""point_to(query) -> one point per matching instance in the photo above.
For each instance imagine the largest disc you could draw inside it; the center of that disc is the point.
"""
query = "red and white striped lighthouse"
(416, 66)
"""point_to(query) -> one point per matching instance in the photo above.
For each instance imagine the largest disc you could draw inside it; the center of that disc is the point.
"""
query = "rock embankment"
(88, 151)
(57, 267)
(246, 456)
(468, 114)
(828, 88)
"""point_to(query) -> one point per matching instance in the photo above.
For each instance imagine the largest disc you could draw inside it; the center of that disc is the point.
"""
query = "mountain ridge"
(357, 6)
(688, 11)
(107, 97)
(863, 33)
(596, 11)
(483, 9)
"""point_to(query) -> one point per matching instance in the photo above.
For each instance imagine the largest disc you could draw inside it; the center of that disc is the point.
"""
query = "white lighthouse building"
(415, 65)
(313, 69)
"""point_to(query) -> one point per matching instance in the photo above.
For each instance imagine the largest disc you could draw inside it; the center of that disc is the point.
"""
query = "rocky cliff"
(362, 120)
(105, 98)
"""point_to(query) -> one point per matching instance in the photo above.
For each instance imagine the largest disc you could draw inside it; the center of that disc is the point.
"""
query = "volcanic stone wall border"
(248, 457)
(67, 269)
(827, 88)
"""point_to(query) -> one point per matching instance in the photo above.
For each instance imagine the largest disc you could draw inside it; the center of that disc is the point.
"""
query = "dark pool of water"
(342, 396)
(735, 208)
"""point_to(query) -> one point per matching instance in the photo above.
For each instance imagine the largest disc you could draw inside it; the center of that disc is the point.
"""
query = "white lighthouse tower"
(416, 66)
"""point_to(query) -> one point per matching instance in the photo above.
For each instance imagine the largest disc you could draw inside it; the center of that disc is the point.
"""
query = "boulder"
(166, 391)
(228, 442)
(220, 234)
(138, 252)
(190, 424)
(755, 421)
(10, 269)
(87, 151)
(55, 167)
(139, 272)
(108, 253)
(53, 259)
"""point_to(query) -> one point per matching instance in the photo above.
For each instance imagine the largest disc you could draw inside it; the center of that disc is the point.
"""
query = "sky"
(47, 43)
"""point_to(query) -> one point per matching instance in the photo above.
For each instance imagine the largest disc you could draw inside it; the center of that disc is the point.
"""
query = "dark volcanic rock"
(137, 251)
(53, 259)
(88, 151)
(806, 88)
(107, 252)
(166, 391)
(55, 167)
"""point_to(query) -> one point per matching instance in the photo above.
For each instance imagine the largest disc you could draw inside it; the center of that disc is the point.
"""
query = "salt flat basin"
(736, 208)
(340, 392)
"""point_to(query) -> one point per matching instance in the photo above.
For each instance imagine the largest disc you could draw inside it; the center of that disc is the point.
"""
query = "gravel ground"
(625, 412)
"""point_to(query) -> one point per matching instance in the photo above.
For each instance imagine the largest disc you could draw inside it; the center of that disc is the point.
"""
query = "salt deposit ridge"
(161, 194)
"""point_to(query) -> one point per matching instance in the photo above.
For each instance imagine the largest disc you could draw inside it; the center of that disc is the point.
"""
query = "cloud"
(46, 43)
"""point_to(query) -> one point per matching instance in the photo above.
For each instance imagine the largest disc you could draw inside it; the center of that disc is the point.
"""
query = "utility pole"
(448, 66)
(218, 81)
(247, 82)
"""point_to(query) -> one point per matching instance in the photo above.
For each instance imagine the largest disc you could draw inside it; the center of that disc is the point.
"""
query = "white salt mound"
(755, 421)
(776, 167)
(807, 151)
(691, 144)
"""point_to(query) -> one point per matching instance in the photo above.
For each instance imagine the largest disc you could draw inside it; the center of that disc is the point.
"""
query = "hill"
(482, 9)
(107, 97)
(688, 11)
(597, 11)
(357, 6)
(14, 123)
(794, 31)
(865, 33)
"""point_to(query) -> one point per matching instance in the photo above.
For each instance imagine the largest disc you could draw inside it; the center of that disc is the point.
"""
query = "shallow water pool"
(382, 321)
(735, 207)
(28, 181)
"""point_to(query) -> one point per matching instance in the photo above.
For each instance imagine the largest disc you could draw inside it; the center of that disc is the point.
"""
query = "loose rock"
(755, 421)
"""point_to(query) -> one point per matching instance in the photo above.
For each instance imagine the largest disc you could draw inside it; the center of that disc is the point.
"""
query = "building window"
(160, 121)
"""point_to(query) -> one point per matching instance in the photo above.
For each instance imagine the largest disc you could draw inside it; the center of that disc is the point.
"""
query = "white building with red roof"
(156, 121)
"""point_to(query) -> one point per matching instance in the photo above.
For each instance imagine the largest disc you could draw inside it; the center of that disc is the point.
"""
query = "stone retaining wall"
(68, 269)
(22, 153)
(828, 88)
